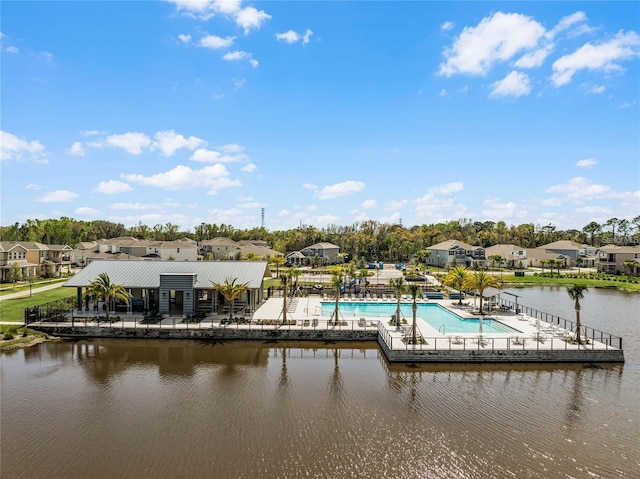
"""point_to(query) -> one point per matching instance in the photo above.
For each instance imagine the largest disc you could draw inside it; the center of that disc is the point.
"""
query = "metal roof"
(146, 274)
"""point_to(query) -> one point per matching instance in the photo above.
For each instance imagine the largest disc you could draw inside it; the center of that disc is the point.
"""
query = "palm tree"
(278, 261)
(102, 287)
(337, 282)
(230, 290)
(414, 289)
(456, 278)
(480, 281)
(285, 279)
(576, 293)
(363, 276)
(398, 286)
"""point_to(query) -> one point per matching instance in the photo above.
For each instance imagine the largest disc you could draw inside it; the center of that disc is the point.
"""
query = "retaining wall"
(215, 333)
(503, 356)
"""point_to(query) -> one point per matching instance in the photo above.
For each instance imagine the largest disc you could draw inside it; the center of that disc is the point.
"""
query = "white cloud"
(535, 58)
(396, 205)
(76, 149)
(604, 56)
(446, 26)
(169, 142)
(111, 187)
(514, 84)
(237, 55)
(250, 18)
(497, 38)
(203, 9)
(11, 49)
(293, 36)
(215, 43)
(345, 188)
(249, 168)
(227, 6)
(91, 132)
(215, 177)
(580, 189)
(232, 148)
(185, 38)
(568, 21)
(496, 210)
(32, 186)
(86, 211)
(57, 196)
(211, 156)
(447, 188)
(288, 37)
(14, 148)
(597, 89)
(586, 163)
(133, 143)
(369, 204)
(309, 186)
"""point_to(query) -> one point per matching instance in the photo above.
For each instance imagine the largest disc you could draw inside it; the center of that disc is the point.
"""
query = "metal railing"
(587, 332)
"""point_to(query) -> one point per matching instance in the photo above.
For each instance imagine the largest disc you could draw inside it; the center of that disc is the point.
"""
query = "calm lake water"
(184, 409)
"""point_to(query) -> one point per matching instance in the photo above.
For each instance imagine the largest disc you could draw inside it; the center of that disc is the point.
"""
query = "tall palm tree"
(480, 281)
(336, 281)
(576, 293)
(363, 276)
(414, 289)
(102, 287)
(277, 261)
(230, 290)
(285, 279)
(398, 286)
(456, 278)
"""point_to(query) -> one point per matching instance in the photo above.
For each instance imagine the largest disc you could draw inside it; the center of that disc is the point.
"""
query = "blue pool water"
(433, 314)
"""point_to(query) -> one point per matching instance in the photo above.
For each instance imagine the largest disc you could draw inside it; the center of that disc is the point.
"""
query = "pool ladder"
(442, 329)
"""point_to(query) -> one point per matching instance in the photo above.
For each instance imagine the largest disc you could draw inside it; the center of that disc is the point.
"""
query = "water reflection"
(286, 409)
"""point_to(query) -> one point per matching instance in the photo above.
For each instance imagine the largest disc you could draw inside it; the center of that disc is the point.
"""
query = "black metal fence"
(587, 332)
(55, 311)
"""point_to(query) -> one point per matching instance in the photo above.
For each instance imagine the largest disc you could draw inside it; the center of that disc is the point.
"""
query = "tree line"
(369, 239)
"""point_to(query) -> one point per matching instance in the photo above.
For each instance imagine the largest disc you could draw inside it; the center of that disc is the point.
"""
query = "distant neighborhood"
(21, 260)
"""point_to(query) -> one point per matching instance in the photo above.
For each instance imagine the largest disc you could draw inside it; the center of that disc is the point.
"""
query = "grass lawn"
(592, 283)
(8, 288)
(13, 309)
(13, 337)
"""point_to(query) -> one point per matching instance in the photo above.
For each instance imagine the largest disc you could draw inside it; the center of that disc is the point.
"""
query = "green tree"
(480, 281)
(576, 293)
(456, 278)
(496, 258)
(14, 274)
(277, 261)
(102, 287)
(398, 286)
(337, 282)
(285, 280)
(230, 290)
(414, 290)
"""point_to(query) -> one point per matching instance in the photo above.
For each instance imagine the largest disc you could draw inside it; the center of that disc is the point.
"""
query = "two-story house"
(514, 256)
(614, 259)
(453, 252)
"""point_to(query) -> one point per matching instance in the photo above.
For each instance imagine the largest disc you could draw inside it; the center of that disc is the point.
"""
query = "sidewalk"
(25, 293)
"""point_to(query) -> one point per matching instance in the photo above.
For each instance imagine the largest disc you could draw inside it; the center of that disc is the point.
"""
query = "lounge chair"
(362, 323)
(457, 340)
(520, 341)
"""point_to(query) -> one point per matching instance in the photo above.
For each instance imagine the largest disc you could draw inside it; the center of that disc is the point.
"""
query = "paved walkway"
(25, 293)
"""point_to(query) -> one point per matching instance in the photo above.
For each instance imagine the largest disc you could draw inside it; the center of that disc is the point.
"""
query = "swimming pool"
(439, 318)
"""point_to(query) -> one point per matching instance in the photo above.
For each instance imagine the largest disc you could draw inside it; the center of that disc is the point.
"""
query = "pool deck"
(532, 341)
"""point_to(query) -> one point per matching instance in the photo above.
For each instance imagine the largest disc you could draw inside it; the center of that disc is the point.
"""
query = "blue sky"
(320, 112)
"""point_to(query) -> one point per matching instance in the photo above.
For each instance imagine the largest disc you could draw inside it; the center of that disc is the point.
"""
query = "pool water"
(439, 318)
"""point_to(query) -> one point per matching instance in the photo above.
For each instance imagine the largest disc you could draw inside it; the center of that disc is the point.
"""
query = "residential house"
(572, 251)
(218, 248)
(127, 247)
(612, 258)
(324, 253)
(12, 252)
(453, 252)
(514, 256)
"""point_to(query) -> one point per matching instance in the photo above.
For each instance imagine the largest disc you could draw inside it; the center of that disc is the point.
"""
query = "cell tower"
(262, 214)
